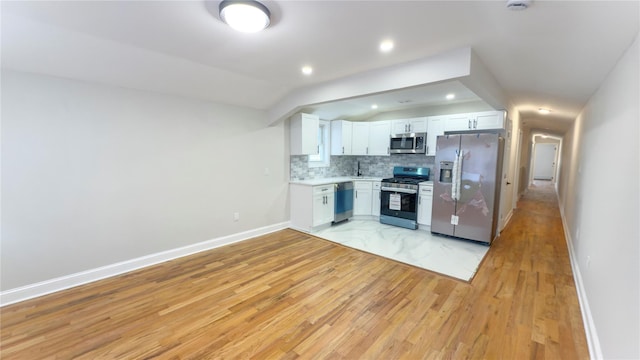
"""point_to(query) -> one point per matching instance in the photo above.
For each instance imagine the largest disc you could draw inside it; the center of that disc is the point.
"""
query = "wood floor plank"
(290, 295)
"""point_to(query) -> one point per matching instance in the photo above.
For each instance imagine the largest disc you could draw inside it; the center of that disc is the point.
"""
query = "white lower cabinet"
(323, 204)
(311, 206)
(425, 201)
(362, 197)
(375, 199)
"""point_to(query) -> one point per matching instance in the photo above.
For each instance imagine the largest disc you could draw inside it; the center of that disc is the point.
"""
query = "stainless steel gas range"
(399, 196)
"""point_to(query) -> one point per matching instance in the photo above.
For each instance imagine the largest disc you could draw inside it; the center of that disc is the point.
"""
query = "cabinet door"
(329, 208)
(418, 125)
(304, 134)
(362, 197)
(460, 122)
(379, 135)
(489, 120)
(323, 203)
(362, 202)
(360, 138)
(323, 211)
(425, 200)
(399, 126)
(424, 209)
(341, 134)
(375, 203)
(435, 127)
(319, 215)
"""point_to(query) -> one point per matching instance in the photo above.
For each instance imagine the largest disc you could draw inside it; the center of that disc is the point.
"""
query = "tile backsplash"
(377, 166)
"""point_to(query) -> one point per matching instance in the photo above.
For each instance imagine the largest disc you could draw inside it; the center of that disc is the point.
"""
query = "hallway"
(528, 269)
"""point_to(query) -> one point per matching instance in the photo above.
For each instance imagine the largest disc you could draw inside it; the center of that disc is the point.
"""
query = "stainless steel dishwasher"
(343, 201)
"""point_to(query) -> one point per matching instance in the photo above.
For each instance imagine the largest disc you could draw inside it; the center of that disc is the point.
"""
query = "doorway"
(544, 161)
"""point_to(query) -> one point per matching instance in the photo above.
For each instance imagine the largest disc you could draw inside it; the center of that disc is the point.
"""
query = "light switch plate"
(454, 220)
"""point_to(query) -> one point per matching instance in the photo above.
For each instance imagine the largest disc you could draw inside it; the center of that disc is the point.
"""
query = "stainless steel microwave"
(409, 143)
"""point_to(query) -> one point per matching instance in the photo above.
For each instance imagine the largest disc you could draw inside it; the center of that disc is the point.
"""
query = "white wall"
(599, 189)
(95, 174)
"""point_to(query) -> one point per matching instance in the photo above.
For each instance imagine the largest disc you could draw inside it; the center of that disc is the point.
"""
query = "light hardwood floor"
(291, 295)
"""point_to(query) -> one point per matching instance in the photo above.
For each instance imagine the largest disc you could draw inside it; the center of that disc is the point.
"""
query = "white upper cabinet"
(458, 122)
(490, 120)
(415, 125)
(435, 127)
(487, 120)
(304, 134)
(379, 137)
(341, 137)
(360, 138)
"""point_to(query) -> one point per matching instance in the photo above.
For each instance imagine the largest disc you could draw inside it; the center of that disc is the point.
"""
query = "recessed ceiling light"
(386, 46)
(307, 70)
(374, 106)
(451, 96)
(544, 111)
(245, 16)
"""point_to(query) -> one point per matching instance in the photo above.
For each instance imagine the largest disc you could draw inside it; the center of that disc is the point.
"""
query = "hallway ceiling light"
(451, 96)
(307, 70)
(245, 16)
(544, 111)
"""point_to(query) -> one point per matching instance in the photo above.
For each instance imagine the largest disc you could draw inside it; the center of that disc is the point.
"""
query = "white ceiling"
(553, 55)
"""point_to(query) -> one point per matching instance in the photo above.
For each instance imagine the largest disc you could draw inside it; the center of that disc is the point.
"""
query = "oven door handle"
(400, 190)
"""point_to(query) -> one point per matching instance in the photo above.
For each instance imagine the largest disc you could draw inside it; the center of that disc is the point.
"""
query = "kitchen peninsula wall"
(373, 166)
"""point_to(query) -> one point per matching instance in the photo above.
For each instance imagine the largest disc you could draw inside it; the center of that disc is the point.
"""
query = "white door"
(544, 165)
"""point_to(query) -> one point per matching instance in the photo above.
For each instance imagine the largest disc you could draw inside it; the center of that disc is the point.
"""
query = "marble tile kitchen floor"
(456, 258)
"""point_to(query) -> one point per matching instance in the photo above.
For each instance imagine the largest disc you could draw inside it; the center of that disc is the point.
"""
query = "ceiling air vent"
(518, 4)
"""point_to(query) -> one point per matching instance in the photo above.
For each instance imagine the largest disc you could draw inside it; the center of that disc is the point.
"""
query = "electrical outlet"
(267, 171)
(236, 216)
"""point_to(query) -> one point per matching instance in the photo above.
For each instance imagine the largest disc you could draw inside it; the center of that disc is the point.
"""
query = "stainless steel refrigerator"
(466, 186)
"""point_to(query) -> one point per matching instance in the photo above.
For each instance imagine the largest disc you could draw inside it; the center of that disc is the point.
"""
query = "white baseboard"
(506, 220)
(593, 342)
(12, 296)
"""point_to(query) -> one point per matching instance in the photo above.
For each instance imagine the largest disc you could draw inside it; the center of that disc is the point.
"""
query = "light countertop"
(333, 180)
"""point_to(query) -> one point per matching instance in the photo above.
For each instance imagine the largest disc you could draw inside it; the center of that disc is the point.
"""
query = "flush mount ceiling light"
(374, 106)
(307, 70)
(245, 16)
(518, 4)
(544, 111)
(451, 96)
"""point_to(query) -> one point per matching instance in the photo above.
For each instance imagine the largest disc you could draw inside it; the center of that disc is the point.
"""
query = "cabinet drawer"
(324, 189)
(426, 190)
(376, 185)
(362, 185)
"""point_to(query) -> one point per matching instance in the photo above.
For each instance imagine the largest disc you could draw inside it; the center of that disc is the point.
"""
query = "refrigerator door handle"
(457, 172)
